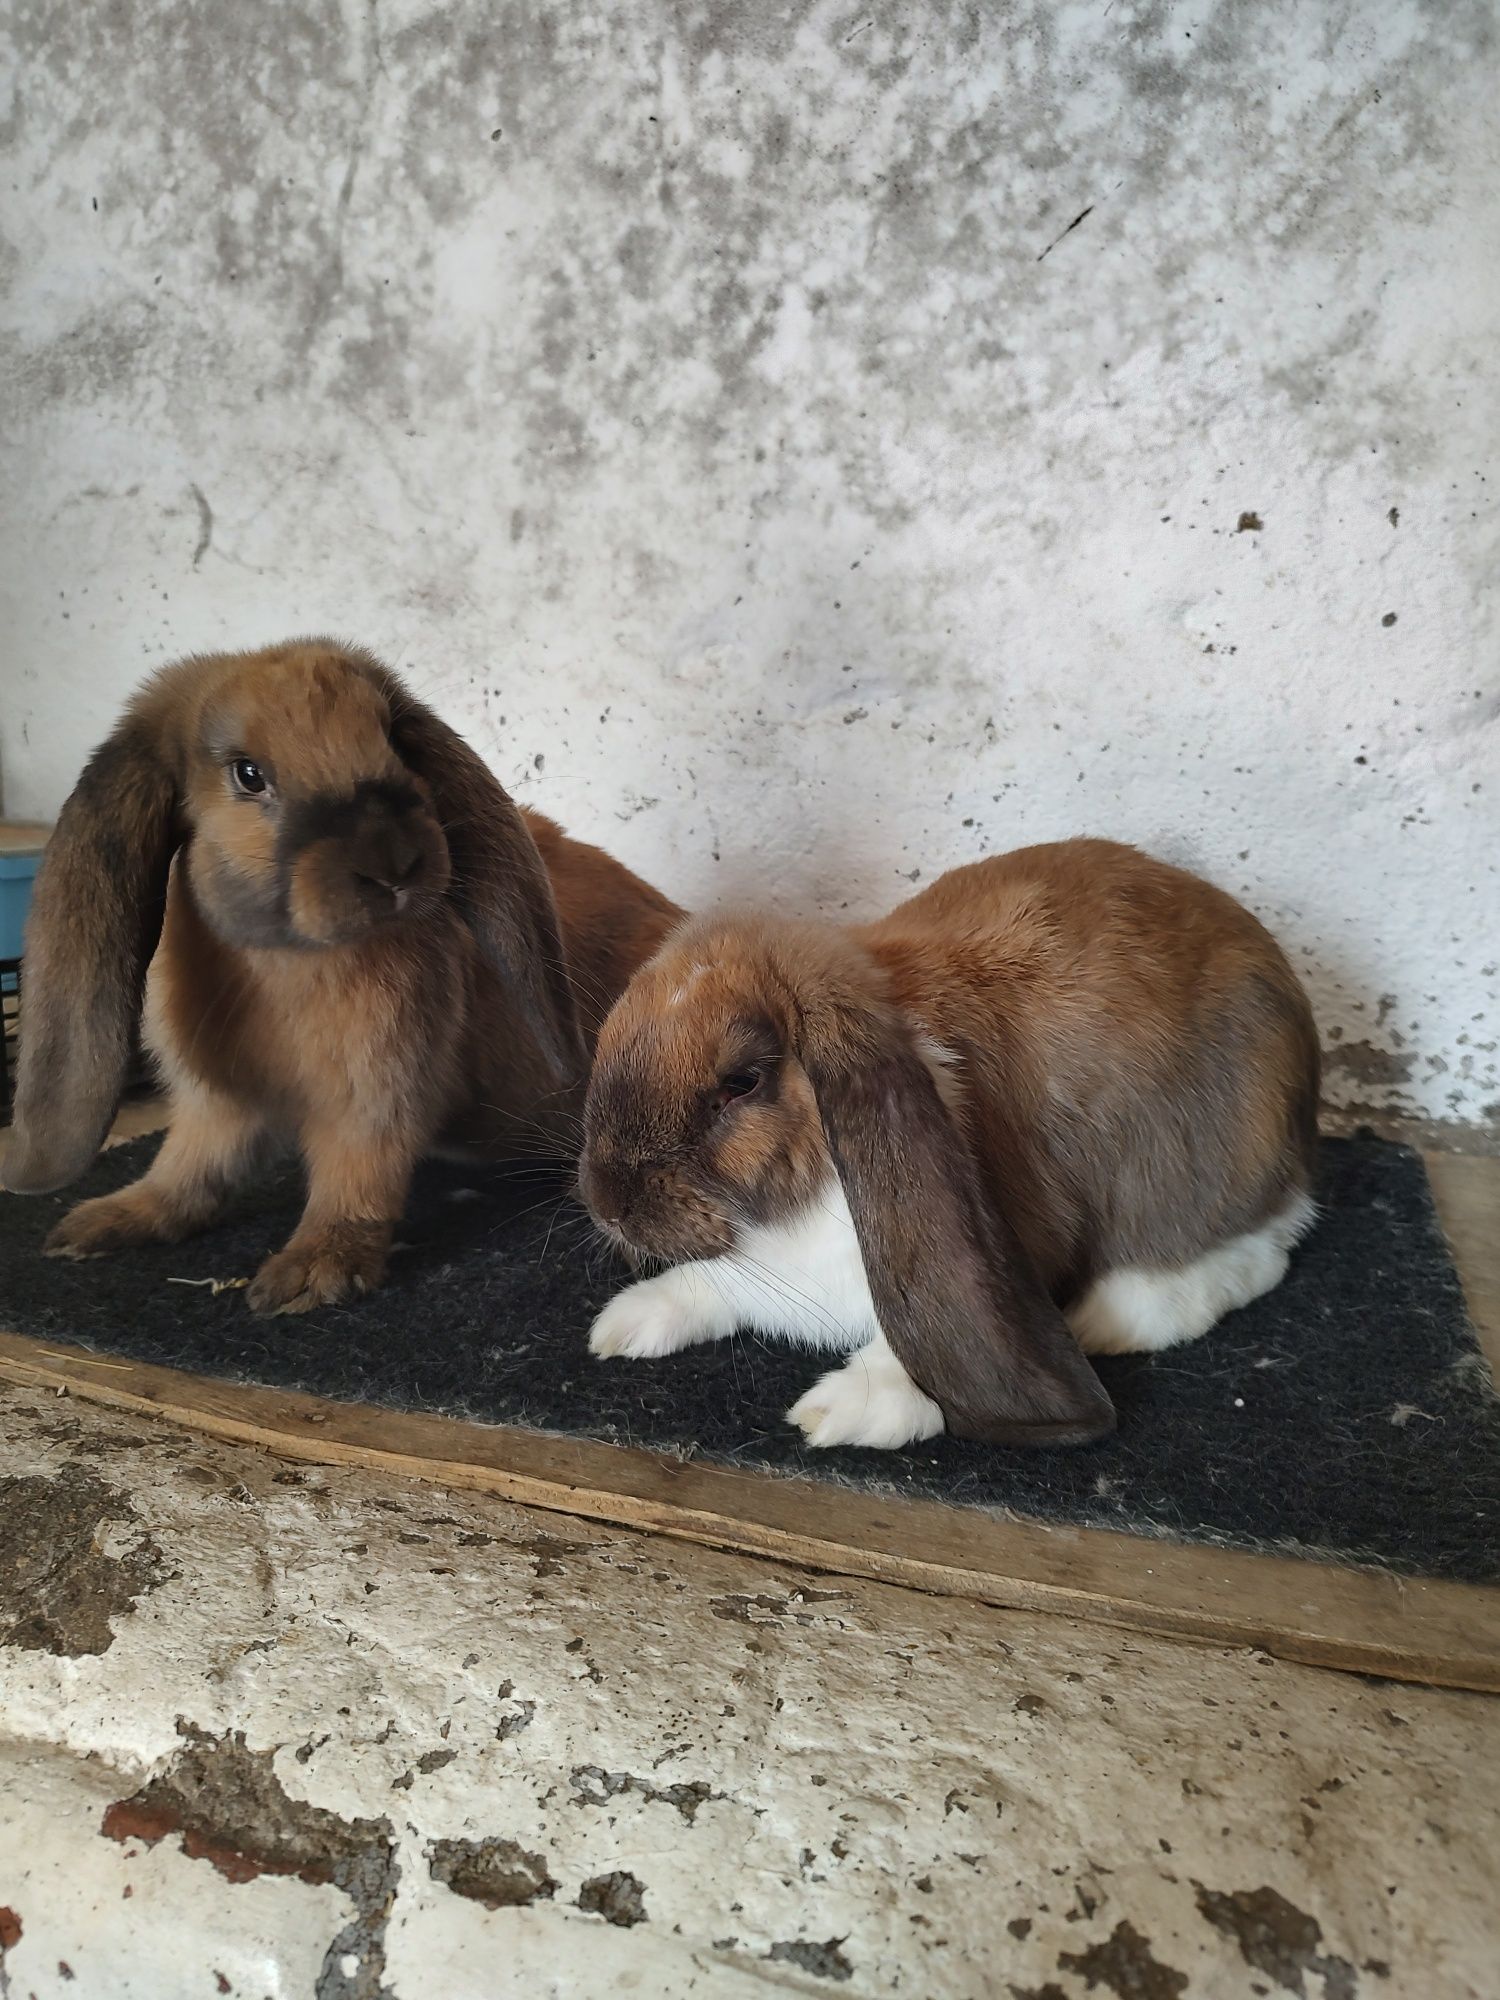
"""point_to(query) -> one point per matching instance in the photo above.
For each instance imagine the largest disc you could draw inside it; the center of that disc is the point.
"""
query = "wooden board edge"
(1315, 1614)
(1466, 1194)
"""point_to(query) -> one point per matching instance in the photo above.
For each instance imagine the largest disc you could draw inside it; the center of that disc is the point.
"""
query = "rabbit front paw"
(321, 1269)
(658, 1316)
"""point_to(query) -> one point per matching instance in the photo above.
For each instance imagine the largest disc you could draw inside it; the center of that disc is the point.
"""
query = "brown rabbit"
(1064, 1099)
(356, 941)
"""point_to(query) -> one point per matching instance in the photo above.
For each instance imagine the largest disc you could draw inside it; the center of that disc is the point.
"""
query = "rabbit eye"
(249, 779)
(738, 1083)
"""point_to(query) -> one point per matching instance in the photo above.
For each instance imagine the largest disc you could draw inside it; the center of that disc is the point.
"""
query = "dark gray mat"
(1349, 1415)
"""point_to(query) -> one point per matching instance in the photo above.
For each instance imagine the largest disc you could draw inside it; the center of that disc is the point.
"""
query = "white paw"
(870, 1401)
(647, 1320)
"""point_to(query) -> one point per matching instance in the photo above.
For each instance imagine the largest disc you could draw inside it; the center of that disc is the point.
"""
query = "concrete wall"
(808, 445)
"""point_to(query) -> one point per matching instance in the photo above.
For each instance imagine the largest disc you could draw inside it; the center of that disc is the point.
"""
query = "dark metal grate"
(10, 1015)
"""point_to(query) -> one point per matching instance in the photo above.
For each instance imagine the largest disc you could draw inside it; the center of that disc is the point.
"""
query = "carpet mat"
(1349, 1415)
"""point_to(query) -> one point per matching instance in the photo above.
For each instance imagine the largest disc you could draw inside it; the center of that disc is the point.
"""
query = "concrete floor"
(274, 1730)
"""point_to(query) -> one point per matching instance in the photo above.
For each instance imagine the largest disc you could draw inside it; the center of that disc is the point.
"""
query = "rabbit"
(356, 942)
(1063, 1101)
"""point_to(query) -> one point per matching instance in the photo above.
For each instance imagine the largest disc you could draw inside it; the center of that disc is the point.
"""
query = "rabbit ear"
(953, 1289)
(499, 880)
(95, 918)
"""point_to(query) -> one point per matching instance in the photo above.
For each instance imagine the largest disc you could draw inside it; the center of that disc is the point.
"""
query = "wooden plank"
(1365, 1621)
(137, 1117)
(1466, 1189)
(23, 836)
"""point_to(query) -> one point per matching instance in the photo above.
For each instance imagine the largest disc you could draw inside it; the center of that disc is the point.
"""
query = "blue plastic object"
(18, 868)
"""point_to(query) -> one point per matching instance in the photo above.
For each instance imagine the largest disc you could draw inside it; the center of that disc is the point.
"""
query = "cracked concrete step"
(310, 1730)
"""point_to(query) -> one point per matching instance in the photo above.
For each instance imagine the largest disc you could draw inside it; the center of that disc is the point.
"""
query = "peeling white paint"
(691, 398)
(955, 1799)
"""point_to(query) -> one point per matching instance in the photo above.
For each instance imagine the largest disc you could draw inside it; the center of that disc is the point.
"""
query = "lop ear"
(95, 919)
(499, 880)
(960, 1304)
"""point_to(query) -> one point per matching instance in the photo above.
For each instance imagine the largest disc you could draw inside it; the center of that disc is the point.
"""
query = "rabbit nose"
(601, 1199)
(393, 865)
(409, 860)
